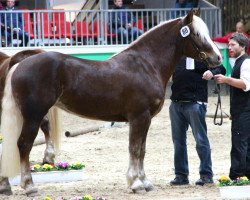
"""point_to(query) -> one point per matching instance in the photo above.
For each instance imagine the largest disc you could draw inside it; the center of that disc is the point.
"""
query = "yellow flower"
(47, 166)
(224, 179)
(88, 196)
(244, 178)
(47, 198)
(37, 166)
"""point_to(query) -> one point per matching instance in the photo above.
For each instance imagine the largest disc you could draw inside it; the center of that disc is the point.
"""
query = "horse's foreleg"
(137, 143)
(25, 143)
(49, 153)
(5, 186)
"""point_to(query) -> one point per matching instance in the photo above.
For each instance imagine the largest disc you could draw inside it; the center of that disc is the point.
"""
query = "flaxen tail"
(55, 127)
(11, 126)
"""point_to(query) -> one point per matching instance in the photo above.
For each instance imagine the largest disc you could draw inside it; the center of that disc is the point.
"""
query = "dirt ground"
(105, 154)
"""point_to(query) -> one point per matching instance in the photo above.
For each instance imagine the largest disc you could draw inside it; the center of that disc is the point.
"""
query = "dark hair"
(241, 39)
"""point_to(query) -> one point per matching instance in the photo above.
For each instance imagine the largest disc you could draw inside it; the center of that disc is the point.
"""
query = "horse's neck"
(164, 57)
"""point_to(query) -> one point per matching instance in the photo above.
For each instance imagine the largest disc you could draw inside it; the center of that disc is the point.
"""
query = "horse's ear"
(198, 12)
(189, 17)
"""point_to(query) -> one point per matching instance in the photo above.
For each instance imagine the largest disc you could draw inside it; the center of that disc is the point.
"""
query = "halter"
(202, 54)
(185, 32)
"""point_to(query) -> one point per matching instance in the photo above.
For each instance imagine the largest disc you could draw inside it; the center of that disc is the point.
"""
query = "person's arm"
(209, 74)
(242, 83)
(218, 70)
(223, 39)
(238, 83)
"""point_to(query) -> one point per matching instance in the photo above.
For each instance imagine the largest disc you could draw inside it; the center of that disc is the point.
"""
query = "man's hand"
(16, 29)
(220, 78)
(207, 75)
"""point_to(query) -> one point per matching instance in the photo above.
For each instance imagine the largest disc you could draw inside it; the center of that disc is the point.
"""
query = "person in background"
(239, 28)
(188, 108)
(12, 24)
(1, 6)
(239, 83)
(184, 4)
(122, 23)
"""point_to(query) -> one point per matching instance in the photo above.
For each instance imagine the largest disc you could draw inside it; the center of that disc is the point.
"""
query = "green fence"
(226, 62)
(94, 56)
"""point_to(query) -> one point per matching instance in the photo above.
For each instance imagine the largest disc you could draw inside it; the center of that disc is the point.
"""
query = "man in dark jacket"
(122, 23)
(12, 24)
(239, 106)
(188, 108)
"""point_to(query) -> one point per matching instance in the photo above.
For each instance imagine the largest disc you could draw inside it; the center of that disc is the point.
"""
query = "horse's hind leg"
(25, 142)
(136, 177)
(49, 153)
(5, 186)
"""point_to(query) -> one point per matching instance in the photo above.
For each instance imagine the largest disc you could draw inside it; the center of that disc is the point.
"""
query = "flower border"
(226, 181)
(60, 166)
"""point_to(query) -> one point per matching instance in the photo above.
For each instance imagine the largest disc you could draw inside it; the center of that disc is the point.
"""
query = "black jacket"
(239, 99)
(188, 85)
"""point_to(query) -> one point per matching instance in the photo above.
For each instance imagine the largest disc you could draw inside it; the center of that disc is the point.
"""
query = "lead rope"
(218, 106)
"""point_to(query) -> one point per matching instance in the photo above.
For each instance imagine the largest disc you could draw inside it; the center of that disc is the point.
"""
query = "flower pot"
(53, 177)
(235, 192)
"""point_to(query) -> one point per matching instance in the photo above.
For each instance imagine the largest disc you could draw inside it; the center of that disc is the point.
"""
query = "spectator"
(1, 6)
(184, 4)
(224, 39)
(239, 83)
(12, 24)
(122, 23)
(188, 108)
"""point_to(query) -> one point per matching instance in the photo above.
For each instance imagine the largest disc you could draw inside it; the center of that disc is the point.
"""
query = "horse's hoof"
(138, 186)
(31, 192)
(5, 190)
(148, 186)
(49, 160)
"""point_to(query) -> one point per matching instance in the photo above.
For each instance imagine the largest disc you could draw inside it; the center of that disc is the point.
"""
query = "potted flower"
(239, 188)
(59, 172)
(85, 197)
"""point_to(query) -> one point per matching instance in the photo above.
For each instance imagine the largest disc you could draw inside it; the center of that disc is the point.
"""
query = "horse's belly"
(93, 112)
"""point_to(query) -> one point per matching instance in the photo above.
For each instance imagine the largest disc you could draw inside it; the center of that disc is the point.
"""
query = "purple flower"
(63, 165)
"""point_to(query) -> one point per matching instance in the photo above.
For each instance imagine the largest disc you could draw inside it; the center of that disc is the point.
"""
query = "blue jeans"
(126, 34)
(183, 114)
(24, 37)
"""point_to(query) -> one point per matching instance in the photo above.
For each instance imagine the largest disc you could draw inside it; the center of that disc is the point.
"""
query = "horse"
(128, 87)
(48, 124)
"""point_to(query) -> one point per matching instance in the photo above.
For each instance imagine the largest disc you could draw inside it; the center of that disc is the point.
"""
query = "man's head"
(240, 27)
(238, 44)
(118, 3)
(10, 3)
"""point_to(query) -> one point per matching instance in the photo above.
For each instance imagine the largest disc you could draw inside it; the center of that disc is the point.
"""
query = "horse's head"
(196, 40)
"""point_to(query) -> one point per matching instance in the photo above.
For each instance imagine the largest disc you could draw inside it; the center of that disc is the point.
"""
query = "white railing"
(87, 27)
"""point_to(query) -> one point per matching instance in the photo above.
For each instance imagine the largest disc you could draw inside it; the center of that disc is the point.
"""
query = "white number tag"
(185, 31)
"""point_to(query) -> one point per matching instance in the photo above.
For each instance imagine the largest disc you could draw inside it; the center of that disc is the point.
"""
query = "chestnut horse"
(48, 123)
(128, 87)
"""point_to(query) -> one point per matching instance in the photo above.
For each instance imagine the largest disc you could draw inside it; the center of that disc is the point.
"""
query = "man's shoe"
(179, 180)
(204, 180)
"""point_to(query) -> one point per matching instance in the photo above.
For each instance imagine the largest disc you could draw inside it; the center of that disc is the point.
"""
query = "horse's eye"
(198, 34)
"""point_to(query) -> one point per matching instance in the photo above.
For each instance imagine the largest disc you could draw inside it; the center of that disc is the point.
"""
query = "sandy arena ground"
(105, 154)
